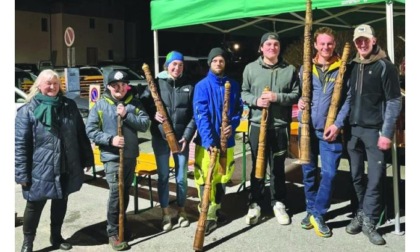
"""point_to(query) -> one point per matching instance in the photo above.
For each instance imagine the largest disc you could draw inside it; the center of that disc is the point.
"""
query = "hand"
(118, 141)
(183, 143)
(228, 131)
(263, 103)
(301, 105)
(121, 110)
(159, 117)
(331, 133)
(384, 143)
(269, 95)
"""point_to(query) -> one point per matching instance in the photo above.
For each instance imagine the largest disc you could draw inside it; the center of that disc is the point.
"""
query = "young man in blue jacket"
(208, 107)
(327, 143)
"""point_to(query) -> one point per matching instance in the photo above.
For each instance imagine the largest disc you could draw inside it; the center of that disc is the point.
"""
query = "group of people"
(53, 146)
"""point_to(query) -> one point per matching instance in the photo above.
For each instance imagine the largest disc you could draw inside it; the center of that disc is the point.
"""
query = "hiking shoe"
(183, 220)
(279, 210)
(221, 217)
(306, 223)
(355, 225)
(253, 215)
(321, 229)
(166, 223)
(116, 244)
(369, 229)
(211, 225)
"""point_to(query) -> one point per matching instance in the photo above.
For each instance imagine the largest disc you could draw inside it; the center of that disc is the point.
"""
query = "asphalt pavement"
(85, 222)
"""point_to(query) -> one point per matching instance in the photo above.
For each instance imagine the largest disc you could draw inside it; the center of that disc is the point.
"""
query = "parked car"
(23, 79)
(28, 67)
(137, 81)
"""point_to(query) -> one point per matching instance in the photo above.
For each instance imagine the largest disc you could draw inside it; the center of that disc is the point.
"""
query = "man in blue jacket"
(208, 107)
(326, 142)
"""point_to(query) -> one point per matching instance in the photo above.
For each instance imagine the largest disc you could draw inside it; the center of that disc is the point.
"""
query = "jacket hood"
(165, 75)
(377, 54)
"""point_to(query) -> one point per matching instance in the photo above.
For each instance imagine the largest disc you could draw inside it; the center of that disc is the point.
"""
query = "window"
(91, 23)
(44, 24)
(110, 54)
(110, 28)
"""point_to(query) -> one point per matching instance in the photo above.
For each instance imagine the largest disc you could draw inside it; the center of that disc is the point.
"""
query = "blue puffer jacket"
(39, 153)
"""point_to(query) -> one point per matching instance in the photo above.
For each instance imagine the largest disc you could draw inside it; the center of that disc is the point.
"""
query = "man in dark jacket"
(176, 93)
(374, 107)
(102, 129)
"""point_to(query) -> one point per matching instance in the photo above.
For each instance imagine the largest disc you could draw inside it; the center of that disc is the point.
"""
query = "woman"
(176, 93)
(51, 149)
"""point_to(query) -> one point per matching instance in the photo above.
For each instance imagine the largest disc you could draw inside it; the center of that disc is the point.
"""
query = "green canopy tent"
(286, 17)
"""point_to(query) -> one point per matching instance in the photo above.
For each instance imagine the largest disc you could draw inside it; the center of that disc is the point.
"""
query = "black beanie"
(216, 52)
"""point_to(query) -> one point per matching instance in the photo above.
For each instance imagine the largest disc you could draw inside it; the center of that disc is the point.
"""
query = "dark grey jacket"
(102, 126)
(39, 153)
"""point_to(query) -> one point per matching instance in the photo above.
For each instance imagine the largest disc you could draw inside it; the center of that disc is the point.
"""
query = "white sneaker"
(254, 213)
(183, 220)
(279, 210)
(166, 223)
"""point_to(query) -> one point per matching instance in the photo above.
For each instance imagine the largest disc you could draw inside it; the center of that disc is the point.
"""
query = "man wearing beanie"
(282, 80)
(374, 108)
(102, 128)
(176, 93)
(208, 108)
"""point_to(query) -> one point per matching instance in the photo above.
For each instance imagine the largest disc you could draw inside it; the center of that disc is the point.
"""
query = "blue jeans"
(318, 195)
(162, 152)
(111, 175)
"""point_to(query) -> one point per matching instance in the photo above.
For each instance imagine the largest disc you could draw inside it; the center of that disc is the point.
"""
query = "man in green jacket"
(282, 80)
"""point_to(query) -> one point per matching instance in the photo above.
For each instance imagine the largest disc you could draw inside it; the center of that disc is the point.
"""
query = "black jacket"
(375, 92)
(176, 96)
(39, 153)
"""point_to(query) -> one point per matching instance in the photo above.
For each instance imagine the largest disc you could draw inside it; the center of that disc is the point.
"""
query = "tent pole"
(156, 51)
(390, 47)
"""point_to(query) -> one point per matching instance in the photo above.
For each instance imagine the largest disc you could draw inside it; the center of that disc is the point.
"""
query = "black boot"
(57, 240)
(369, 229)
(355, 226)
(28, 243)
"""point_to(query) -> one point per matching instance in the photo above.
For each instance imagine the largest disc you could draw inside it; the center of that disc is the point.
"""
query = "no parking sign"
(94, 94)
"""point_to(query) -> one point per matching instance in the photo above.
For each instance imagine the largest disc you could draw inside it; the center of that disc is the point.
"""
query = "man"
(326, 143)
(208, 107)
(102, 129)
(374, 107)
(282, 80)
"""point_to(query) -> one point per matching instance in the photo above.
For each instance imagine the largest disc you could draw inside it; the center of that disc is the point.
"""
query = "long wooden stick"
(225, 124)
(338, 86)
(167, 126)
(304, 141)
(260, 162)
(121, 186)
(205, 201)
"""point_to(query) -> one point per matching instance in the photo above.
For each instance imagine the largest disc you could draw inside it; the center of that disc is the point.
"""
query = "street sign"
(69, 36)
(94, 94)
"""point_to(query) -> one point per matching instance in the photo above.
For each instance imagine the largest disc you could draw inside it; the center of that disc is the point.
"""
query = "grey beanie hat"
(216, 52)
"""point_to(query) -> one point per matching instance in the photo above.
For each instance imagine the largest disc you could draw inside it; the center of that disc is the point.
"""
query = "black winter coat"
(176, 97)
(39, 153)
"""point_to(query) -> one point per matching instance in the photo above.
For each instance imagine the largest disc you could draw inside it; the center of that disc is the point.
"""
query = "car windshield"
(89, 71)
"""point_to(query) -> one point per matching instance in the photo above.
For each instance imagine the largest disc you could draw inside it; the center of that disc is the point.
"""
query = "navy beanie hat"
(174, 55)
(216, 52)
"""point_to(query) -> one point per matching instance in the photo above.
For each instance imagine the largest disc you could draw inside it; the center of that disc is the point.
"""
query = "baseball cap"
(363, 30)
(117, 75)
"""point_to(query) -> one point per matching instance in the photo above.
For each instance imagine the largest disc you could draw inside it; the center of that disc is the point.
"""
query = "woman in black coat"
(51, 151)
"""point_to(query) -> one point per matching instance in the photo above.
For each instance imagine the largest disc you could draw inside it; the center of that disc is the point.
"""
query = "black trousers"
(33, 212)
(276, 148)
(368, 191)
